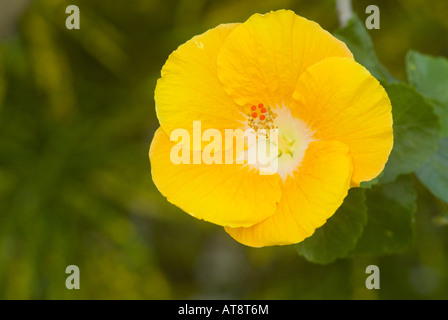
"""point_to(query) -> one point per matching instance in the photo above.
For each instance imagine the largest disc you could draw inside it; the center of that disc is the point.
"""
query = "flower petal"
(189, 89)
(224, 194)
(340, 100)
(309, 198)
(263, 58)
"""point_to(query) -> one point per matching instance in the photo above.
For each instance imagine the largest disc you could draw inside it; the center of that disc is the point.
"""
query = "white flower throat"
(282, 138)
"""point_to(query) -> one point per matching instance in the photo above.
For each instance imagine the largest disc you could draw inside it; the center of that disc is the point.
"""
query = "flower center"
(284, 138)
(261, 117)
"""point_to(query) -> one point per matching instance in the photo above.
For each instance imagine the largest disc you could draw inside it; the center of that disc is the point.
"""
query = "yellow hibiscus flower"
(277, 70)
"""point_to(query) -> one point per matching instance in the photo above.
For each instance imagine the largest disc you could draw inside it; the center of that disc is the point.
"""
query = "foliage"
(76, 120)
(418, 149)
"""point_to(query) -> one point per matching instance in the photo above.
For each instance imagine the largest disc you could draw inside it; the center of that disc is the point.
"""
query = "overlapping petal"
(262, 59)
(225, 194)
(309, 198)
(189, 89)
(340, 100)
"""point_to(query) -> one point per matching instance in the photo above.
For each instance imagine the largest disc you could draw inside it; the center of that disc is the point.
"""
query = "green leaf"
(338, 236)
(434, 173)
(430, 76)
(374, 181)
(357, 39)
(390, 218)
(416, 131)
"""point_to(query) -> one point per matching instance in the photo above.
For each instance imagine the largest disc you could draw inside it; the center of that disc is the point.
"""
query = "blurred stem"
(344, 10)
(10, 12)
(2, 78)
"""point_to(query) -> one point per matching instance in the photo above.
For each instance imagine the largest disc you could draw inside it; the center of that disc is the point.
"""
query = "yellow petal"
(189, 89)
(262, 59)
(224, 194)
(309, 198)
(340, 100)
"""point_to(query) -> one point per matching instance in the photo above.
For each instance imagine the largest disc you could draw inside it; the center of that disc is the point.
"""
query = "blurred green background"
(76, 121)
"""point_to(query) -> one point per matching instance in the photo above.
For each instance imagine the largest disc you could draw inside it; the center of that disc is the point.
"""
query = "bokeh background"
(76, 121)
